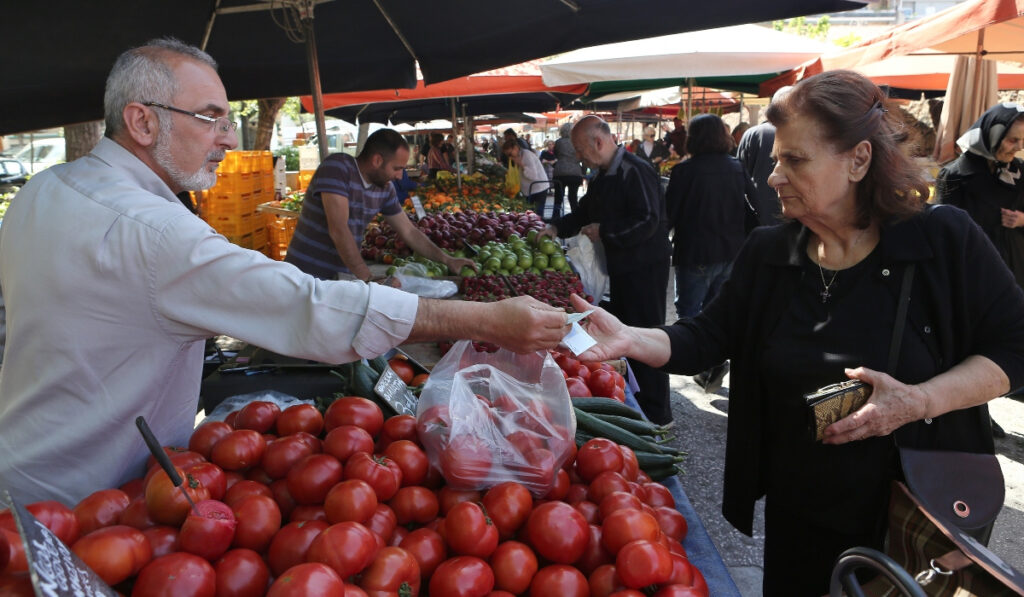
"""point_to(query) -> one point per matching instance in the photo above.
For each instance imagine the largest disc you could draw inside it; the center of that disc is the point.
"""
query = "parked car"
(13, 174)
(41, 154)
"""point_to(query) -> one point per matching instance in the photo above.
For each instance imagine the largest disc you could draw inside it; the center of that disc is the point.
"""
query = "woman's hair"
(509, 145)
(848, 108)
(649, 131)
(707, 135)
(145, 74)
(565, 130)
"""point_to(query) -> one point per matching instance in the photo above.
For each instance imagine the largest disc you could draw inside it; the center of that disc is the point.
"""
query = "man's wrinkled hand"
(523, 324)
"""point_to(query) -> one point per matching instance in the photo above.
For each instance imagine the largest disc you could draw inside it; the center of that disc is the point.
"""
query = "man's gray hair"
(565, 130)
(144, 74)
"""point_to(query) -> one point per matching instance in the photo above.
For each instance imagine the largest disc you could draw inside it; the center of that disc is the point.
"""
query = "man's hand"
(455, 264)
(1012, 218)
(549, 231)
(892, 405)
(524, 324)
(593, 231)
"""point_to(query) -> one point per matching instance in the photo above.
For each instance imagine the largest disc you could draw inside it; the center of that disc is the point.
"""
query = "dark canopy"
(59, 52)
(432, 109)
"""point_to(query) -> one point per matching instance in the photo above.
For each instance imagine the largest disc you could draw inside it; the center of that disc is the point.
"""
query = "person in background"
(651, 149)
(677, 136)
(624, 208)
(510, 135)
(812, 302)
(437, 158)
(754, 152)
(532, 179)
(112, 283)
(986, 181)
(737, 134)
(403, 186)
(548, 159)
(449, 147)
(347, 193)
(634, 146)
(709, 209)
(567, 169)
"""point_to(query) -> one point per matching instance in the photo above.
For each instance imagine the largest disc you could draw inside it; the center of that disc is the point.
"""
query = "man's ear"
(377, 160)
(141, 124)
(861, 161)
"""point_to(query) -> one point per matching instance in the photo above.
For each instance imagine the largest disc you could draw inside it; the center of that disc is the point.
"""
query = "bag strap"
(901, 318)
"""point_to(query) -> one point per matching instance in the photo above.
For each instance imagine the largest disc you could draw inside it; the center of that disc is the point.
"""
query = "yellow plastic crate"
(234, 183)
(260, 237)
(233, 225)
(228, 205)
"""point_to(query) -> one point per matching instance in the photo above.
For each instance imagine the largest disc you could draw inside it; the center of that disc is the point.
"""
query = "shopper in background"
(708, 200)
(651, 149)
(533, 182)
(548, 159)
(754, 152)
(567, 169)
(110, 288)
(813, 302)
(437, 157)
(677, 136)
(624, 208)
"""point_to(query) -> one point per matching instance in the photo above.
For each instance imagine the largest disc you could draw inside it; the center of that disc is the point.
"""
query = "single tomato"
(514, 565)
(353, 410)
(509, 505)
(239, 450)
(382, 473)
(347, 547)
(241, 573)
(469, 531)
(462, 576)
(258, 415)
(207, 435)
(100, 509)
(115, 553)
(300, 417)
(258, 519)
(176, 575)
(165, 502)
(559, 580)
(307, 579)
(289, 546)
(558, 532)
(427, 546)
(394, 572)
(350, 501)
(642, 563)
(208, 530)
(313, 476)
(344, 441)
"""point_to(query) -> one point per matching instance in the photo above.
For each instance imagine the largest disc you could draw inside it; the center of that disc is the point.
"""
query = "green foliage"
(291, 157)
(800, 26)
(847, 40)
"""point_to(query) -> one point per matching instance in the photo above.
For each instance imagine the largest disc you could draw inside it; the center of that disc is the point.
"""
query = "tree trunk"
(268, 116)
(79, 139)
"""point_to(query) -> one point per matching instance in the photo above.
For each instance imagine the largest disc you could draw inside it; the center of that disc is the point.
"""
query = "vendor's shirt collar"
(366, 184)
(113, 153)
(613, 168)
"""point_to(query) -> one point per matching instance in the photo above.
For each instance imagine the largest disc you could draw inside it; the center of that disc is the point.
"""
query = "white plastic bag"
(588, 260)
(233, 403)
(486, 418)
(413, 278)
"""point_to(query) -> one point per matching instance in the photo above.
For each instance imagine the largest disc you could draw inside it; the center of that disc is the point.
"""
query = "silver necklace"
(826, 293)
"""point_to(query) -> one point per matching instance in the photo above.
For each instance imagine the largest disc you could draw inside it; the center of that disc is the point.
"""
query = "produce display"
(304, 501)
(449, 231)
(480, 192)
(549, 287)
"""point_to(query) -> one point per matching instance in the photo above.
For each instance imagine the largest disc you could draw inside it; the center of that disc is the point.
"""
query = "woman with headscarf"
(986, 182)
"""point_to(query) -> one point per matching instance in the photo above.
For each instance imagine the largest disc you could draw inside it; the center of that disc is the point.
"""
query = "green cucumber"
(378, 364)
(648, 460)
(593, 425)
(607, 406)
(660, 474)
(636, 426)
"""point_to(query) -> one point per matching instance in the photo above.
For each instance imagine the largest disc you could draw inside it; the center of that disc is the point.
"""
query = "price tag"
(418, 206)
(54, 569)
(309, 157)
(393, 390)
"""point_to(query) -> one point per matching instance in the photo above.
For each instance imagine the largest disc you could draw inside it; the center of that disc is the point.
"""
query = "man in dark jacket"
(625, 208)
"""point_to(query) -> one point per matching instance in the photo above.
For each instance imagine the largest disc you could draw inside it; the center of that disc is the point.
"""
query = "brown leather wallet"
(833, 402)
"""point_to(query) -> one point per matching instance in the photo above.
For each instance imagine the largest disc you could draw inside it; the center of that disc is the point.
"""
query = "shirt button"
(927, 329)
(885, 272)
(927, 421)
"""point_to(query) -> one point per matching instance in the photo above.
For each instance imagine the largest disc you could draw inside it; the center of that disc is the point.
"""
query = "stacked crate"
(244, 180)
(279, 232)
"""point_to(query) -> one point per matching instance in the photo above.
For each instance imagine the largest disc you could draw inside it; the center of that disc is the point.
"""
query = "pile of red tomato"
(591, 378)
(295, 503)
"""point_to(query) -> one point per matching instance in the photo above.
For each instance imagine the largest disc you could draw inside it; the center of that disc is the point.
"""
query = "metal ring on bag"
(961, 509)
(925, 577)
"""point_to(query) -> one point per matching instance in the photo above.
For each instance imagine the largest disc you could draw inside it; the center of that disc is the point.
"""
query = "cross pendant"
(824, 296)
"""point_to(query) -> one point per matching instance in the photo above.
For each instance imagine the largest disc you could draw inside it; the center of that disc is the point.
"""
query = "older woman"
(986, 181)
(812, 301)
(567, 169)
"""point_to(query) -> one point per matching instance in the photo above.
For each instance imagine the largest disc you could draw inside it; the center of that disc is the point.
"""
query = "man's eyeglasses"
(223, 124)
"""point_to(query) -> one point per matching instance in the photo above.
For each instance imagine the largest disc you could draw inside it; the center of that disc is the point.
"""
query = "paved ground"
(700, 429)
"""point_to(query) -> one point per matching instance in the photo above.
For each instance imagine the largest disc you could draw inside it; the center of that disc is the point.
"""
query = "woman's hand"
(613, 338)
(592, 231)
(1012, 218)
(892, 405)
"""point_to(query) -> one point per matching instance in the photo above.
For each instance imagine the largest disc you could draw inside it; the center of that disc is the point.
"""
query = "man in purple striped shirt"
(345, 194)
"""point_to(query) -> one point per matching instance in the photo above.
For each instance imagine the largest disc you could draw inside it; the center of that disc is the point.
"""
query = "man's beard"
(195, 181)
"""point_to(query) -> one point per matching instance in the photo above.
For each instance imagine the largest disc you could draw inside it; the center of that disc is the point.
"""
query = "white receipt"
(577, 340)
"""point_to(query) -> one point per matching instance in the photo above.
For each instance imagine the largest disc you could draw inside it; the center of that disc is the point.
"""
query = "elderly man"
(625, 208)
(754, 152)
(111, 286)
(344, 196)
